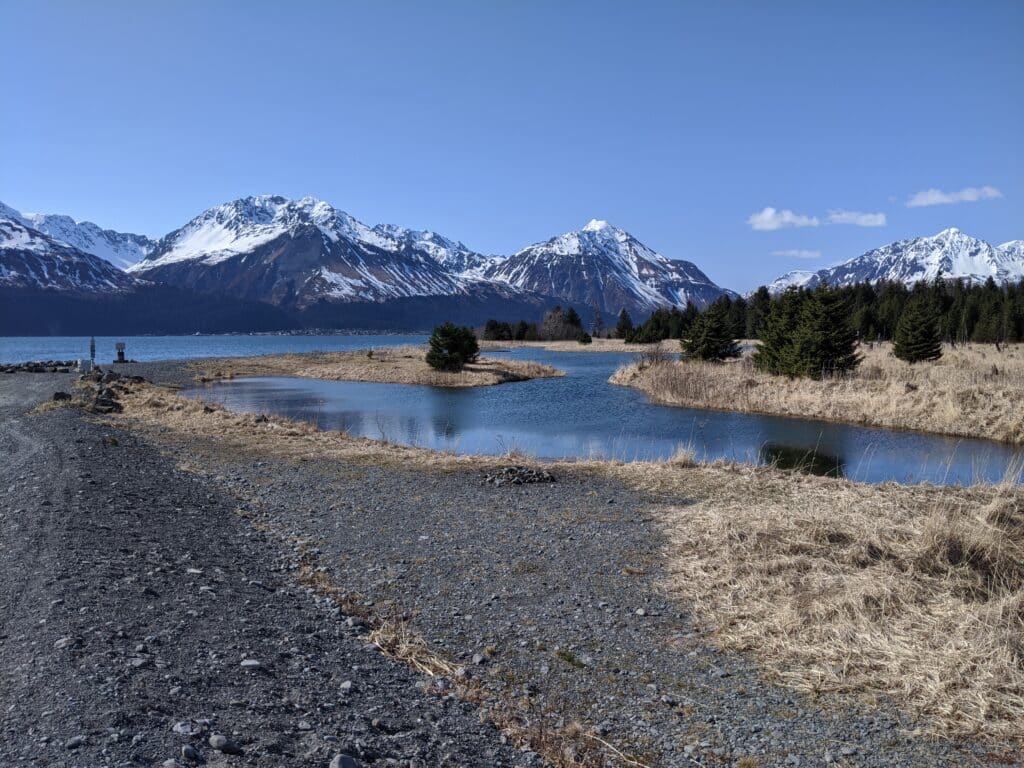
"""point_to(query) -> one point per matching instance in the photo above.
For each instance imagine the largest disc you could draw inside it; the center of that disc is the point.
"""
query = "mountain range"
(270, 263)
(320, 266)
(951, 254)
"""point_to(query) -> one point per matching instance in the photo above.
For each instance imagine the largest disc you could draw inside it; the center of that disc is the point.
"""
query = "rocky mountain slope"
(951, 254)
(606, 267)
(121, 249)
(34, 260)
(296, 253)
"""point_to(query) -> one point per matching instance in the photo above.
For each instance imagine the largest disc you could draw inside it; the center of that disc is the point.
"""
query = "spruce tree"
(917, 332)
(711, 335)
(451, 347)
(624, 327)
(775, 352)
(825, 341)
(808, 333)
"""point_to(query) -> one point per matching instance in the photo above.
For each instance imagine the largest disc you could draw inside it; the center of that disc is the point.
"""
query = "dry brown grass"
(598, 345)
(973, 391)
(914, 592)
(392, 365)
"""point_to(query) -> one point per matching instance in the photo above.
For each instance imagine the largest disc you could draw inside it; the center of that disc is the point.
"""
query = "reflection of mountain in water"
(802, 460)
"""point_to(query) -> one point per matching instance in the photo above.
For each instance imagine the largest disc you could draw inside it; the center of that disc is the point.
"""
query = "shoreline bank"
(972, 392)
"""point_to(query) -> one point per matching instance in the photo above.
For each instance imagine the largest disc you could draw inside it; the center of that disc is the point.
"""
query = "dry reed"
(390, 365)
(973, 391)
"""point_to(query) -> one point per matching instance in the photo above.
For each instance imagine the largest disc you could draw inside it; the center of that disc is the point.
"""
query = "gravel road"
(142, 620)
(132, 593)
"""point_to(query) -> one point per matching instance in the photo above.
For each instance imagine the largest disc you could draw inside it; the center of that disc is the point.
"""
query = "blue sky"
(505, 123)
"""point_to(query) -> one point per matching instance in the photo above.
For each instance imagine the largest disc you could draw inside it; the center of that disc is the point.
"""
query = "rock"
(191, 754)
(189, 728)
(250, 664)
(65, 642)
(345, 761)
(348, 687)
(75, 742)
(305, 726)
(222, 743)
(59, 397)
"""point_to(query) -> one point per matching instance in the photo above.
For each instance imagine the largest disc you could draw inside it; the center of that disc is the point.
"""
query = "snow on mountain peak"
(119, 248)
(948, 255)
(597, 225)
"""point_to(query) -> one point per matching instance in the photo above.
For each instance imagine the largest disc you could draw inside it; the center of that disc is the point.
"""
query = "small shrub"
(584, 338)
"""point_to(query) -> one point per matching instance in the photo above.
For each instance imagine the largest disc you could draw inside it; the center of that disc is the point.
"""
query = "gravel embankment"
(545, 592)
(143, 621)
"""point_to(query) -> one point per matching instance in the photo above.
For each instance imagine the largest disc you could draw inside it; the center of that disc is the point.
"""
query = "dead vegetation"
(571, 345)
(973, 391)
(913, 592)
(389, 365)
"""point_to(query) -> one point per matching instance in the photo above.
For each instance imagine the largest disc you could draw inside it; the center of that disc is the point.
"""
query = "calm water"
(17, 349)
(582, 415)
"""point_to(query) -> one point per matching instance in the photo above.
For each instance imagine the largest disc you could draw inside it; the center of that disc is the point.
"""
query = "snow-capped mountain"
(795, 278)
(607, 267)
(122, 249)
(951, 254)
(30, 259)
(295, 253)
(450, 254)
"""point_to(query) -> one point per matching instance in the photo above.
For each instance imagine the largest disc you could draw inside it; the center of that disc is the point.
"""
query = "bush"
(917, 332)
(451, 347)
(584, 338)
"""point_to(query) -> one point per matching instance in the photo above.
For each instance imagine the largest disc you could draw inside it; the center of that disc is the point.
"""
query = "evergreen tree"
(572, 318)
(451, 347)
(775, 353)
(624, 328)
(757, 312)
(825, 341)
(917, 332)
(711, 337)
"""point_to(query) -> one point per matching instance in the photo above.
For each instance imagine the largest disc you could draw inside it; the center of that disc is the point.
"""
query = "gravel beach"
(161, 594)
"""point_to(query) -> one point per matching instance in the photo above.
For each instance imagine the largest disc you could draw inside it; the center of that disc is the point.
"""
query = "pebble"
(250, 664)
(190, 753)
(75, 742)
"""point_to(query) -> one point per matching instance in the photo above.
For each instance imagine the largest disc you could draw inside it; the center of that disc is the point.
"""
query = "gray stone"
(345, 761)
(75, 742)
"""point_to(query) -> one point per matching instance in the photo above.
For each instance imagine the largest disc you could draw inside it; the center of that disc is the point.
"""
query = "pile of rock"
(40, 366)
(104, 394)
(519, 476)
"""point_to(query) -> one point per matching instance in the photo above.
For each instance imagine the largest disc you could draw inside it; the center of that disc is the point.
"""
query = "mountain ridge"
(950, 254)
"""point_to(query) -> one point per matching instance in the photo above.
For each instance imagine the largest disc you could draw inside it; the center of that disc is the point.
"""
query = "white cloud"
(770, 218)
(938, 197)
(857, 218)
(797, 253)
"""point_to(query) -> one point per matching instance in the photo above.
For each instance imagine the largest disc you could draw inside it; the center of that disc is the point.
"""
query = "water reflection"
(581, 415)
(811, 462)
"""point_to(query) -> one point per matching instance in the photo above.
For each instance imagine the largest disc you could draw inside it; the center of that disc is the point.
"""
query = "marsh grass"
(973, 391)
(913, 593)
(391, 365)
